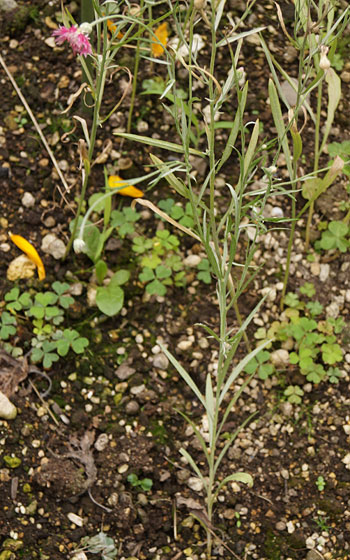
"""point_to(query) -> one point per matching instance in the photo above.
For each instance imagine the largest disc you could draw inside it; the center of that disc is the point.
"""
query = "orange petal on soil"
(114, 181)
(31, 253)
(162, 35)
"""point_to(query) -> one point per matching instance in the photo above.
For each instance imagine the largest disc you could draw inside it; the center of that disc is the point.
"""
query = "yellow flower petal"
(31, 253)
(112, 28)
(114, 181)
(162, 35)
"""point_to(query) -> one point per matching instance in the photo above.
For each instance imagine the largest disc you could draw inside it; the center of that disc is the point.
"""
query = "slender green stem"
(136, 70)
(101, 78)
(316, 160)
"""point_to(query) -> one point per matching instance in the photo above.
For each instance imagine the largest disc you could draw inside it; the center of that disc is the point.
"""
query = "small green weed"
(145, 483)
(41, 313)
(335, 237)
(160, 262)
(312, 342)
(320, 483)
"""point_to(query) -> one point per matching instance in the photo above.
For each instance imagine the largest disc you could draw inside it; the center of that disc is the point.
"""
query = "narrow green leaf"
(334, 94)
(237, 477)
(173, 181)
(240, 367)
(235, 129)
(234, 38)
(196, 469)
(279, 123)
(251, 147)
(162, 144)
(184, 375)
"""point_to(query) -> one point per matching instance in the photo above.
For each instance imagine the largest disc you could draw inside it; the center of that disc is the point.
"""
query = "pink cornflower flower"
(77, 39)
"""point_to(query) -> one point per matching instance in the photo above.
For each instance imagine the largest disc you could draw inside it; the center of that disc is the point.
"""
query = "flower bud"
(85, 28)
(79, 245)
(199, 4)
(324, 60)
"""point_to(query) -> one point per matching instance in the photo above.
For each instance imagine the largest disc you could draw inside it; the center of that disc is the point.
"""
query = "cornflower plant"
(222, 232)
(99, 42)
(316, 28)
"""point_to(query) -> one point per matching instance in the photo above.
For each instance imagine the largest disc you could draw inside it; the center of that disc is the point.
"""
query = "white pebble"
(28, 200)
(192, 261)
(53, 246)
(195, 483)
(324, 272)
(76, 519)
(8, 411)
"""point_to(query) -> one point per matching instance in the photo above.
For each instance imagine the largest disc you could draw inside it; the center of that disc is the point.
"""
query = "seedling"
(320, 483)
(145, 483)
(294, 394)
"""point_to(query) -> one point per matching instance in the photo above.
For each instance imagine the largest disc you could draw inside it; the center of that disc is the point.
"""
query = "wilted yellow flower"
(162, 35)
(31, 253)
(114, 181)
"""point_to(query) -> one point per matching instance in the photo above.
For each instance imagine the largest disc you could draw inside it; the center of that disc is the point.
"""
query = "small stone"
(287, 408)
(138, 389)
(28, 200)
(20, 268)
(281, 526)
(333, 310)
(160, 361)
(184, 344)
(142, 126)
(101, 442)
(8, 411)
(315, 269)
(346, 460)
(192, 261)
(203, 343)
(269, 292)
(8, 5)
(229, 513)
(49, 222)
(91, 296)
(277, 212)
(76, 519)
(195, 483)
(132, 407)
(324, 272)
(80, 556)
(345, 77)
(53, 246)
(314, 555)
(50, 42)
(280, 357)
(124, 372)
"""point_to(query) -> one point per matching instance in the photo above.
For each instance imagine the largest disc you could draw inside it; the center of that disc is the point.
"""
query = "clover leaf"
(334, 237)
